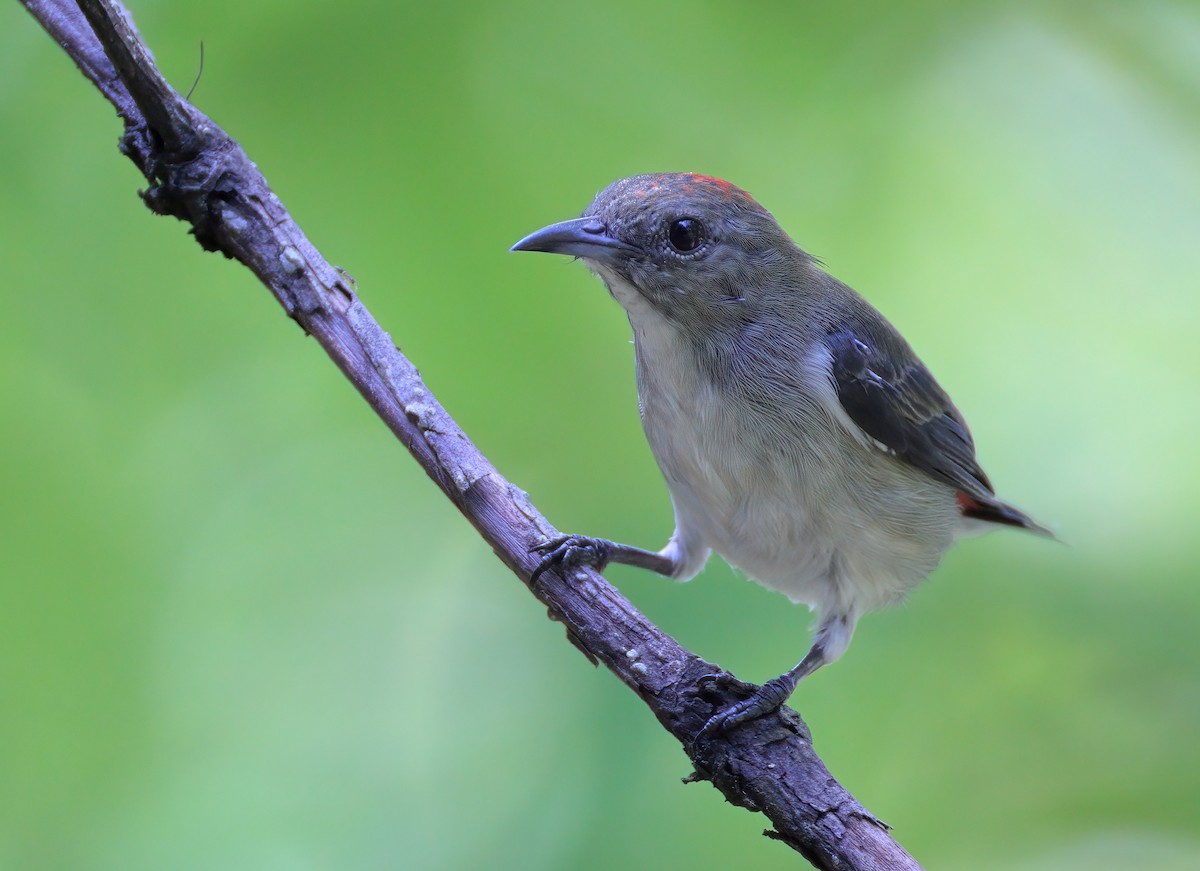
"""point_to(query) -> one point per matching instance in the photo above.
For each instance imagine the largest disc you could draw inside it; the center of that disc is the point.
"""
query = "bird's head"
(693, 248)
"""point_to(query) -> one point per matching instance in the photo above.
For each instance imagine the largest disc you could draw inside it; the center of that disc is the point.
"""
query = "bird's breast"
(779, 488)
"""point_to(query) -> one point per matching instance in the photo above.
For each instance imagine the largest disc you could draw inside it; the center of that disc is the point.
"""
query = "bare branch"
(199, 174)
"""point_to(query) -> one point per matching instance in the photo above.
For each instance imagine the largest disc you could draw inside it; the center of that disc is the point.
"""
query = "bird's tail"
(995, 511)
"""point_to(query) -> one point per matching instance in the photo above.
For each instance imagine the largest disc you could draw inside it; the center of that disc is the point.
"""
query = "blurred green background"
(238, 627)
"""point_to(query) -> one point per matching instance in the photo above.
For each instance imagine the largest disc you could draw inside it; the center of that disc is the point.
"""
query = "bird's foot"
(571, 551)
(762, 700)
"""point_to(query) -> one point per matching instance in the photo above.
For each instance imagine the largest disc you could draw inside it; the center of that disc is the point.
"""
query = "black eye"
(685, 235)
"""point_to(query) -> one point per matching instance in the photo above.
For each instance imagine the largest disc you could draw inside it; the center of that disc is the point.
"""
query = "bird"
(799, 435)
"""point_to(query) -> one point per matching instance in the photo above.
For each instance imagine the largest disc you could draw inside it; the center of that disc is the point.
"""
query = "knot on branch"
(186, 183)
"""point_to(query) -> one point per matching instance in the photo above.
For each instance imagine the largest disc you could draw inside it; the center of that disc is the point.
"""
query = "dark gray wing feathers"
(888, 393)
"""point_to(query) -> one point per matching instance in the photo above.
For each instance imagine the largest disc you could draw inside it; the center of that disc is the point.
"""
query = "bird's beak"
(582, 237)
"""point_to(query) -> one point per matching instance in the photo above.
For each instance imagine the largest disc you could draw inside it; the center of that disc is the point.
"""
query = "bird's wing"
(890, 395)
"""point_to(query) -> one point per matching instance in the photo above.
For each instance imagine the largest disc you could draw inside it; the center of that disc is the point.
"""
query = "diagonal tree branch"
(197, 173)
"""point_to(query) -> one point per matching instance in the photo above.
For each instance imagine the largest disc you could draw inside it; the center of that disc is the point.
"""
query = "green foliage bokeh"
(238, 627)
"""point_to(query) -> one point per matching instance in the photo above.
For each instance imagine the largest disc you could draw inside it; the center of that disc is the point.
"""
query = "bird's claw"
(571, 551)
(759, 702)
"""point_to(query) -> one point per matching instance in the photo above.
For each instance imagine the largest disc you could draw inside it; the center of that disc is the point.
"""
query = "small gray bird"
(800, 436)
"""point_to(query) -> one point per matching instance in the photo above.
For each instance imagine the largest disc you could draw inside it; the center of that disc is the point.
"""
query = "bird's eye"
(685, 235)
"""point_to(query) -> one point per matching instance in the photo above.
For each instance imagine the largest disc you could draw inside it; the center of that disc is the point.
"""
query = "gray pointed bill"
(581, 237)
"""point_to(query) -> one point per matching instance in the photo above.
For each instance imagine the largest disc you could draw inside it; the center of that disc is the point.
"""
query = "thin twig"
(199, 174)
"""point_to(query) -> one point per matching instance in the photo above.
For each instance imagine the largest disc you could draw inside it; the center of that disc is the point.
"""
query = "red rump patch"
(996, 512)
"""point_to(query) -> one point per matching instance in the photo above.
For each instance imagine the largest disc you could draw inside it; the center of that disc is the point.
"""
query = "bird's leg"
(684, 555)
(570, 551)
(830, 642)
